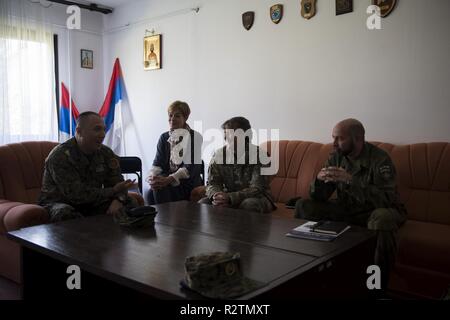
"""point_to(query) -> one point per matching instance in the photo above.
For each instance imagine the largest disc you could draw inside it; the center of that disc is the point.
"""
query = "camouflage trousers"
(385, 221)
(261, 205)
(61, 211)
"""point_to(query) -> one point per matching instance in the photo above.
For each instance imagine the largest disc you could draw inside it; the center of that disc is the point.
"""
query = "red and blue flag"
(111, 110)
(66, 130)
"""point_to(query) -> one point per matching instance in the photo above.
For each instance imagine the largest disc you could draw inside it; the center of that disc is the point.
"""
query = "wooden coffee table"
(149, 262)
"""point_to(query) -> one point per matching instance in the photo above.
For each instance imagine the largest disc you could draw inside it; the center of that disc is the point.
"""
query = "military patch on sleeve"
(113, 163)
(386, 172)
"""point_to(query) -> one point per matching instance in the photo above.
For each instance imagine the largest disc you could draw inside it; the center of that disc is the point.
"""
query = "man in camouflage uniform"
(364, 177)
(82, 177)
(234, 174)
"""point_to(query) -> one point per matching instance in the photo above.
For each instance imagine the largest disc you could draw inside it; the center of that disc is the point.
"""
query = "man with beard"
(364, 177)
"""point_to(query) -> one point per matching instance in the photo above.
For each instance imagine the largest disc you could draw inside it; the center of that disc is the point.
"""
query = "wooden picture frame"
(87, 58)
(152, 52)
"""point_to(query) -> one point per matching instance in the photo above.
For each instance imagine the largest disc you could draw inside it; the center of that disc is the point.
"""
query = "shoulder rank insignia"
(113, 163)
(386, 172)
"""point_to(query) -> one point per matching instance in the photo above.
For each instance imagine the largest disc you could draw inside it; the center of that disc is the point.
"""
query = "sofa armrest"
(16, 215)
(198, 193)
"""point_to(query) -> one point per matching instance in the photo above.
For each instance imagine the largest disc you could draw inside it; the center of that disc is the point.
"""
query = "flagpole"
(122, 103)
(121, 129)
(70, 83)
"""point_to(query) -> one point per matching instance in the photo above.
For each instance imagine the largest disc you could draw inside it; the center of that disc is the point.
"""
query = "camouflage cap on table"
(218, 275)
(126, 218)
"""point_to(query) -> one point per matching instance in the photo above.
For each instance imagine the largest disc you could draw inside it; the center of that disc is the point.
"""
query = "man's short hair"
(83, 117)
(356, 128)
(237, 123)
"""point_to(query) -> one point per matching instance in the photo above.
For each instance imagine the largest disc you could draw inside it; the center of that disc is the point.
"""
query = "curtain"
(27, 77)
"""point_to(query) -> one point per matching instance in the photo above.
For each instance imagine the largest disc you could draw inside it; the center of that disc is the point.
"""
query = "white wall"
(298, 76)
(86, 85)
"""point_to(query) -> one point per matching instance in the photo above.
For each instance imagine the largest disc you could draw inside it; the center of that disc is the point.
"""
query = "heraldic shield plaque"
(247, 19)
(276, 13)
(386, 6)
(308, 8)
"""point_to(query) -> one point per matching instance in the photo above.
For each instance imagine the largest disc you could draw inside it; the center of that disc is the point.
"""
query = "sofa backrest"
(423, 178)
(423, 174)
(299, 163)
(21, 169)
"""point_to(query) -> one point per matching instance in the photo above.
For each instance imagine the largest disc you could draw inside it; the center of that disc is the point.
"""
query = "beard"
(346, 150)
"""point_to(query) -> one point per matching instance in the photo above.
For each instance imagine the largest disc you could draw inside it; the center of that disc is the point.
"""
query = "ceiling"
(111, 3)
(106, 3)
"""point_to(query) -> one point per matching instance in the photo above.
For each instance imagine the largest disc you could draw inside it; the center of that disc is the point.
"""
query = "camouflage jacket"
(73, 178)
(241, 180)
(373, 182)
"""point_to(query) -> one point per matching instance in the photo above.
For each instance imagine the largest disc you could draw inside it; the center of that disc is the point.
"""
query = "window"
(27, 85)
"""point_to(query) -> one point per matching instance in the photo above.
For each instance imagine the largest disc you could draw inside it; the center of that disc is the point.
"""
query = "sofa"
(21, 170)
(422, 268)
(423, 172)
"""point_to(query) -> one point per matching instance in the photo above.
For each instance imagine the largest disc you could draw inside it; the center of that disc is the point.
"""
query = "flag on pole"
(65, 119)
(111, 111)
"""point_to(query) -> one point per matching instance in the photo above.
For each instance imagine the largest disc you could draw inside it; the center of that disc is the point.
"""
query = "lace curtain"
(27, 77)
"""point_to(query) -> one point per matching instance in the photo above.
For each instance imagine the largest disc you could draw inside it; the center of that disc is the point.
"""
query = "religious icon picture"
(87, 59)
(152, 52)
(344, 6)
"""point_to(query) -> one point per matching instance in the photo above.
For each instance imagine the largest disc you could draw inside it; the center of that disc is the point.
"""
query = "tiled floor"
(9, 290)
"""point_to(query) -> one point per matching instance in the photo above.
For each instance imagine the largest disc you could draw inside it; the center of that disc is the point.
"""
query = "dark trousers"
(261, 205)
(59, 211)
(168, 194)
(385, 221)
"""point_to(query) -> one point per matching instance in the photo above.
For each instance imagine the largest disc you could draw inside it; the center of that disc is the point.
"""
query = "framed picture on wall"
(87, 59)
(152, 52)
(344, 6)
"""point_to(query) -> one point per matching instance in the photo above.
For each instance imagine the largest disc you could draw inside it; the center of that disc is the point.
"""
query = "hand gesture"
(123, 186)
(334, 174)
(159, 182)
(221, 199)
